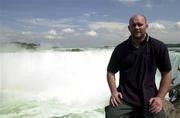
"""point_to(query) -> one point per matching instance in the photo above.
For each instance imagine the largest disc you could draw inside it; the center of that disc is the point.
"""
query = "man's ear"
(129, 28)
(147, 25)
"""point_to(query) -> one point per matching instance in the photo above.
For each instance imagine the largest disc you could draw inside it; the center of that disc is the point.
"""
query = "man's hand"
(115, 98)
(156, 104)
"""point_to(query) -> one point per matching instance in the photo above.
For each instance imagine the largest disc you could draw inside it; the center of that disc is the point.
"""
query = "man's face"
(138, 27)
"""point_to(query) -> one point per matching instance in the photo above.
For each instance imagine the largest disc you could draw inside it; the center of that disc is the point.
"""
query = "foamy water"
(57, 84)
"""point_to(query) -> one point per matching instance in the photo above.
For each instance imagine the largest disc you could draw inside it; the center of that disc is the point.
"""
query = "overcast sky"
(85, 23)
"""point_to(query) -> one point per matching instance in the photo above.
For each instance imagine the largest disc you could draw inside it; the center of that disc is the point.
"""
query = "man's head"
(138, 26)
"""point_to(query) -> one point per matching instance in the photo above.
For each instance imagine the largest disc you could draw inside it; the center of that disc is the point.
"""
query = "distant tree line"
(26, 45)
(173, 45)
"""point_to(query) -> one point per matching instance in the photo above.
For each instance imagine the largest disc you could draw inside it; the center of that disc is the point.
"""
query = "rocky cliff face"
(171, 110)
(172, 107)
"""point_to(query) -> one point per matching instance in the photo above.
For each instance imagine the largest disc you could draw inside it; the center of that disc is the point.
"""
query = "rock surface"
(172, 111)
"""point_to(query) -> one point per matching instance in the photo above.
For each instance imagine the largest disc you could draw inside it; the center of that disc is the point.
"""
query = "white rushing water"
(56, 84)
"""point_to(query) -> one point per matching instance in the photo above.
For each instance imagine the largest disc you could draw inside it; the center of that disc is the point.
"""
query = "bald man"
(137, 59)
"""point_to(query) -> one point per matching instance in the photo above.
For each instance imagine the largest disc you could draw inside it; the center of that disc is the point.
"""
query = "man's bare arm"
(156, 103)
(165, 84)
(115, 95)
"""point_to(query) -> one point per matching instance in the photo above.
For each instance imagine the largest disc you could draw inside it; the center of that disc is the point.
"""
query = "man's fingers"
(151, 101)
(118, 99)
(120, 95)
(159, 109)
(155, 109)
(114, 102)
(152, 108)
(155, 104)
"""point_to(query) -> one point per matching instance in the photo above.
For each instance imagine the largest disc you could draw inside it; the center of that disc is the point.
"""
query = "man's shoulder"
(122, 44)
(157, 43)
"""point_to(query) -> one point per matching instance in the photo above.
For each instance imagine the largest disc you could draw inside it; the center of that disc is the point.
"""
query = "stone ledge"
(170, 110)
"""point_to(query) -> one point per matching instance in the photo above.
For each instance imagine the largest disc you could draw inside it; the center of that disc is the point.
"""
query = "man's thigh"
(125, 111)
(148, 114)
(121, 111)
(161, 114)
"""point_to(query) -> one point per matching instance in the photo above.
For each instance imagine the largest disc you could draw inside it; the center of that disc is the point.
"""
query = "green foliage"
(32, 46)
(173, 45)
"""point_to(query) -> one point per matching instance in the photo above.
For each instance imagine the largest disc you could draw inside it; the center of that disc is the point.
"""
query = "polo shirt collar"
(146, 39)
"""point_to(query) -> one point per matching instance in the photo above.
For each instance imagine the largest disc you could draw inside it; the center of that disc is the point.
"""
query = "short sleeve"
(113, 65)
(164, 63)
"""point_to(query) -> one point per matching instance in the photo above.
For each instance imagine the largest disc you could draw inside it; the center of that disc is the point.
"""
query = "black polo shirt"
(137, 67)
